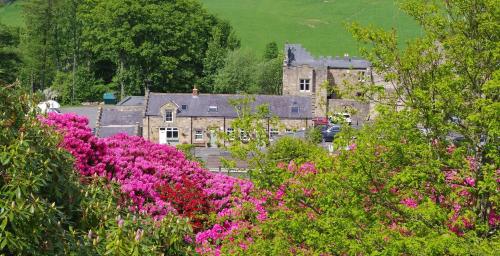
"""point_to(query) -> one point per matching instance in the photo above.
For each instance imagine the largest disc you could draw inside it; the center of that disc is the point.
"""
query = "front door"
(163, 136)
(213, 139)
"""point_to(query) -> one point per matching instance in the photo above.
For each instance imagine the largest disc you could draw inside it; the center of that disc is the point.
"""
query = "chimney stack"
(195, 92)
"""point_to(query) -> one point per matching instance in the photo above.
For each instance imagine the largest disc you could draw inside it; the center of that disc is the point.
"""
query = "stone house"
(322, 78)
(181, 118)
(309, 91)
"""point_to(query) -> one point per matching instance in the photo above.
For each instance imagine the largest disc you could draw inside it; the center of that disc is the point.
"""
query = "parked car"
(341, 117)
(329, 132)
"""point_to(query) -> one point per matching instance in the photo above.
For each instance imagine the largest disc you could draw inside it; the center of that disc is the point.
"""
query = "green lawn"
(11, 14)
(317, 24)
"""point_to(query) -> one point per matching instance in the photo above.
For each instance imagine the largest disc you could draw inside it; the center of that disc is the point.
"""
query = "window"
(288, 131)
(295, 109)
(361, 76)
(274, 132)
(213, 109)
(305, 85)
(243, 136)
(184, 107)
(198, 135)
(172, 134)
(169, 134)
(169, 116)
(229, 131)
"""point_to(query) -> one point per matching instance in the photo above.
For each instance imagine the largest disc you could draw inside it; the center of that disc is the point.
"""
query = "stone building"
(180, 118)
(310, 90)
(323, 78)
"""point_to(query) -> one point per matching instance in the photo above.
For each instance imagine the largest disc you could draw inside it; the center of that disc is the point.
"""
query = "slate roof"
(121, 116)
(132, 101)
(298, 55)
(108, 131)
(198, 106)
(88, 111)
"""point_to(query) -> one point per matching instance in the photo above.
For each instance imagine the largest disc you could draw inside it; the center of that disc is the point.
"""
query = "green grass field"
(11, 14)
(319, 25)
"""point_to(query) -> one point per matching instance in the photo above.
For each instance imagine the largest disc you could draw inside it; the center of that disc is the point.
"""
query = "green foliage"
(11, 13)
(112, 229)
(401, 185)
(86, 88)
(10, 59)
(269, 76)
(313, 135)
(39, 190)
(244, 72)
(238, 73)
(271, 51)
(223, 40)
(164, 41)
(47, 209)
(249, 134)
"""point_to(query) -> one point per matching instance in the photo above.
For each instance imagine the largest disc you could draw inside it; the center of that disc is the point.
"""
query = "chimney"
(195, 92)
(346, 56)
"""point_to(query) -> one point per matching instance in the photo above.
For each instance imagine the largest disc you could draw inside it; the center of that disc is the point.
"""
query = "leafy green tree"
(47, 209)
(164, 41)
(271, 51)
(10, 59)
(223, 40)
(269, 76)
(238, 74)
(423, 178)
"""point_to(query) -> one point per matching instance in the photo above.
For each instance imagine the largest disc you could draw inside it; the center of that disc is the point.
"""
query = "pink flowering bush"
(144, 169)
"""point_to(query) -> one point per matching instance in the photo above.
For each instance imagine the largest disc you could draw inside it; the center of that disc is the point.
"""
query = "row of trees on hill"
(83, 48)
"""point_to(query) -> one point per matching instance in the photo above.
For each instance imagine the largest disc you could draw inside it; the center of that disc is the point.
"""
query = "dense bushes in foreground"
(46, 208)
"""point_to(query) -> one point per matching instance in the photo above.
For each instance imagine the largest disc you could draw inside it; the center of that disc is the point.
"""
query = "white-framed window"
(229, 131)
(198, 135)
(274, 132)
(168, 134)
(184, 107)
(213, 109)
(288, 131)
(295, 109)
(305, 85)
(169, 116)
(244, 136)
(172, 133)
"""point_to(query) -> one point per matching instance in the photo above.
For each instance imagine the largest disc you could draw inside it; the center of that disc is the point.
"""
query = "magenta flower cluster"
(141, 167)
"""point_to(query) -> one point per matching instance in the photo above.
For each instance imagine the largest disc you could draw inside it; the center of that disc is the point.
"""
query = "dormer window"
(213, 109)
(295, 109)
(305, 85)
(169, 116)
(184, 107)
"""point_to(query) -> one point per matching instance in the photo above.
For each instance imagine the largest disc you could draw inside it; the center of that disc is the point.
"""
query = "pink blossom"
(409, 202)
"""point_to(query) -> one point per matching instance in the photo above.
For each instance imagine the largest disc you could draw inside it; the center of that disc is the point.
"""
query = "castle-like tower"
(304, 75)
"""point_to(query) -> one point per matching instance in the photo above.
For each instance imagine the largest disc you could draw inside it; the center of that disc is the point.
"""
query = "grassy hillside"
(11, 14)
(319, 25)
(316, 24)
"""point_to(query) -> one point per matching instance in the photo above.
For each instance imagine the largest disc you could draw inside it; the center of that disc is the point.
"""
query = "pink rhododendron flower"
(409, 202)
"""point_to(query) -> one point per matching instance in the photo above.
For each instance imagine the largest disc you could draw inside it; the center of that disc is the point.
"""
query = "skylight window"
(213, 109)
(295, 110)
(184, 107)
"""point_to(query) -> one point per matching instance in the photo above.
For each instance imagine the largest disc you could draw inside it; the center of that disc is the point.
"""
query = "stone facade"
(310, 90)
(323, 78)
(201, 131)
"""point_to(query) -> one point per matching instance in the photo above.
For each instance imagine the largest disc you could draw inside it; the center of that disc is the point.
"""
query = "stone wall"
(189, 125)
(362, 111)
